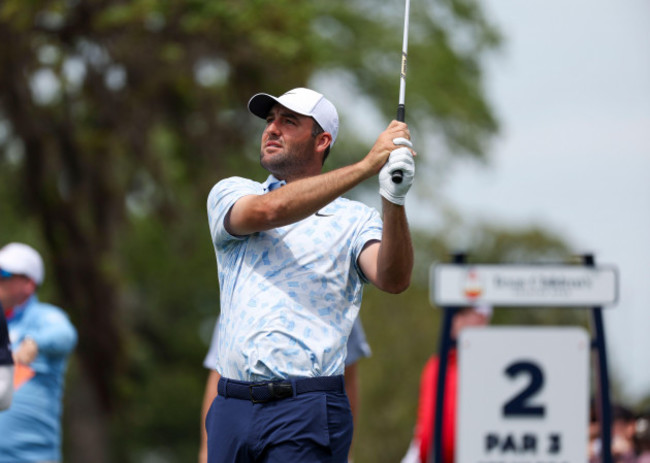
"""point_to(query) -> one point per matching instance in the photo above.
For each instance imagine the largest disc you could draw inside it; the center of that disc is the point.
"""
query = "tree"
(117, 117)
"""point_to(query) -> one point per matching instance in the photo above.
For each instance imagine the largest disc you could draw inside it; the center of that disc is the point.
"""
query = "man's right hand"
(385, 144)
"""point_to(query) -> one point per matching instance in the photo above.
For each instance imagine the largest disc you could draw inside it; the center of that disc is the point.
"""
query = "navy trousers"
(313, 427)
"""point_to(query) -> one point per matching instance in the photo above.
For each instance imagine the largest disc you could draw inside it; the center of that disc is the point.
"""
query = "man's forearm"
(310, 194)
(295, 201)
(395, 257)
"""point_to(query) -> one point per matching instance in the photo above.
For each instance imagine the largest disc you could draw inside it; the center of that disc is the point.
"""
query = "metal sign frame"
(597, 345)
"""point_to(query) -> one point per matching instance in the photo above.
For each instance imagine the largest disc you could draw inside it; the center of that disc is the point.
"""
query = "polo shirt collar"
(272, 183)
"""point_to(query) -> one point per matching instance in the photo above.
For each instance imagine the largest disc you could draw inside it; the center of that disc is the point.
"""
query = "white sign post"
(523, 395)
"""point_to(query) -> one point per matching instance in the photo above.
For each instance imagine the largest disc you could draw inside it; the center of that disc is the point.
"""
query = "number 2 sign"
(523, 395)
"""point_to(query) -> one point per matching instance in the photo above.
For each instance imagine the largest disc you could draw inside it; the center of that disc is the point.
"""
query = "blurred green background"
(117, 117)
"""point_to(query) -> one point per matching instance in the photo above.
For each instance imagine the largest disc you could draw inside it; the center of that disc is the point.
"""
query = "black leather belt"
(261, 392)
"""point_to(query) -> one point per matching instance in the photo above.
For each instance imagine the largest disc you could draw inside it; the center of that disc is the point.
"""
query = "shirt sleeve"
(221, 199)
(54, 333)
(370, 229)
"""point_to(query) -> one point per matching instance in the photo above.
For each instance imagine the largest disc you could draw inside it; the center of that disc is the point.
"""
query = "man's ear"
(32, 286)
(323, 141)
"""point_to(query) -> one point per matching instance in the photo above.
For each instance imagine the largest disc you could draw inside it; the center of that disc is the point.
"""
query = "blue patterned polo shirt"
(290, 295)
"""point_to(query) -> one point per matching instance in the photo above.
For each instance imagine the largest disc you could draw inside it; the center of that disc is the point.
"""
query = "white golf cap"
(303, 101)
(21, 259)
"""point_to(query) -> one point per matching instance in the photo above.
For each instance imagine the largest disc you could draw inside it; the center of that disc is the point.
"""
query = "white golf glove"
(400, 159)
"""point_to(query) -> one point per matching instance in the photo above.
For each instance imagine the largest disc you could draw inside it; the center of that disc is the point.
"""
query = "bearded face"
(288, 146)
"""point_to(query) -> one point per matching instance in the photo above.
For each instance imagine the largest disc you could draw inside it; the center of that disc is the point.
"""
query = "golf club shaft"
(401, 108)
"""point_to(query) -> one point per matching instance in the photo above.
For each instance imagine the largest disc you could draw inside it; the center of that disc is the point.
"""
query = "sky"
(571, 89)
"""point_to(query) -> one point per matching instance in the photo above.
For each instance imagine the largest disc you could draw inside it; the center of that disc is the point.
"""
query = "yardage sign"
(519, 285)
(523, 395)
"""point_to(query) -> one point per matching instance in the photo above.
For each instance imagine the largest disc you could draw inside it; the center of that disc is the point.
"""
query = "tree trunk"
(87, 424)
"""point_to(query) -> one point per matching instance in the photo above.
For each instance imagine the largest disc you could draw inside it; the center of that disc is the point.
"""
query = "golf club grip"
(398, 175)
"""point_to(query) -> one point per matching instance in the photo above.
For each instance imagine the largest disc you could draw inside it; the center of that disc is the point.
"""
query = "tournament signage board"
(523, 395)
(523, 286)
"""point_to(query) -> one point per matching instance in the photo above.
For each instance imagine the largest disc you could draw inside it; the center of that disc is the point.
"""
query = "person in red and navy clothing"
(422, 443)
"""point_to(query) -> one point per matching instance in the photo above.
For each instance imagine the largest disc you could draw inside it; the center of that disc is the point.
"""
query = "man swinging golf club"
(293, 257)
